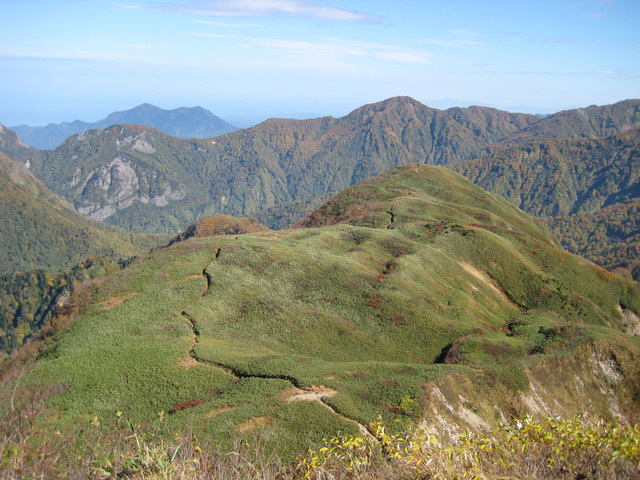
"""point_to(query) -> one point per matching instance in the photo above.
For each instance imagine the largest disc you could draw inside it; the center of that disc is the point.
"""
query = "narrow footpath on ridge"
(297, 393)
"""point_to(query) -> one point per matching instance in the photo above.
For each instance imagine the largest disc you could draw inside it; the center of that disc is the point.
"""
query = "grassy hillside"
(414, 296)
(587, 191)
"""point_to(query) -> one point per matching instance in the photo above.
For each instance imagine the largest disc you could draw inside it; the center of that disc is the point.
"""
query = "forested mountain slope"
(40, 230)
(586, 190)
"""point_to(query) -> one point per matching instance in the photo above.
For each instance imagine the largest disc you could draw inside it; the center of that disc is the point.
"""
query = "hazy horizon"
(75, 60)
(252, 119)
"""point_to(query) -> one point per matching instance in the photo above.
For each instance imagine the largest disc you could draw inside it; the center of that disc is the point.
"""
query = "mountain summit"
(192, 122)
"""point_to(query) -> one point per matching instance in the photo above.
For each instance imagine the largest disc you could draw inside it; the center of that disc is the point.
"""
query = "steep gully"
(301, 393)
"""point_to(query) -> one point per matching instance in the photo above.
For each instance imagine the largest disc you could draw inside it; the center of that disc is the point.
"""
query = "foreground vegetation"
(414, 297)
(528, 448)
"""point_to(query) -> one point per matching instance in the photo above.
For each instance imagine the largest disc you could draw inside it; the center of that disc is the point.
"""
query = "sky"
(64, 60)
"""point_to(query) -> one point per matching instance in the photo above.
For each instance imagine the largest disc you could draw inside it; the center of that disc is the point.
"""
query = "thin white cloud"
(469, 33)
(457, 43)
(593, 2)
(208, 35)
(75, 56)
(228, 25)
(462, 38)
(338, 49)
(558, 40)
(271, 8)
(607, 72)
(401, 57)
(129, 8)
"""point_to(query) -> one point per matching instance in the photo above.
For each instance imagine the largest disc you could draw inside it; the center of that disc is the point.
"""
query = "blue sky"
(67, 59)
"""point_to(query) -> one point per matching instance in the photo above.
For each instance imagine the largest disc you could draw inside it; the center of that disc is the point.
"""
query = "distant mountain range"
(146, 181)
(194, 122)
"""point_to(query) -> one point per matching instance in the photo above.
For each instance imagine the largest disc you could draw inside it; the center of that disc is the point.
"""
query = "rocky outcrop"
(118, 184)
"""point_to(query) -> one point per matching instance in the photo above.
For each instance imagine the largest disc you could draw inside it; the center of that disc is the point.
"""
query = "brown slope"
(220, 225)
(590, 122)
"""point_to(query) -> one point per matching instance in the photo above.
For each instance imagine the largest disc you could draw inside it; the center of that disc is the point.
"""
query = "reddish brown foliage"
(196, 402)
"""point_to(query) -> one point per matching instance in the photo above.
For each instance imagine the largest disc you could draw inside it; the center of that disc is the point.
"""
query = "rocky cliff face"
(118, 184)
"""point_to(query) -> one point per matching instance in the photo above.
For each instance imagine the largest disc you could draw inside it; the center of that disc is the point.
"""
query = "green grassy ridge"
(585, 190)
(373, 312)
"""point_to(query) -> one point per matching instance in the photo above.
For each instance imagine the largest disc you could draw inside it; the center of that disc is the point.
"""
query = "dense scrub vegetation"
(220, 225)
(542, 448)
(404, 290)
(609, 237)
